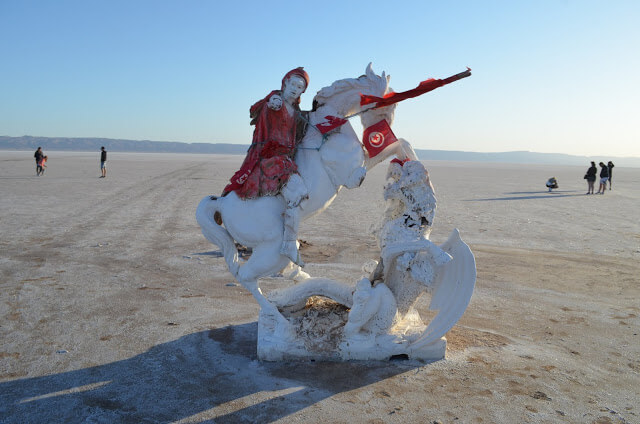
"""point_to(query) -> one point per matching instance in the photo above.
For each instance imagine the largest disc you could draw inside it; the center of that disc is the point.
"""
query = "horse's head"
(343, 96)
(341, 152)
(376, 85)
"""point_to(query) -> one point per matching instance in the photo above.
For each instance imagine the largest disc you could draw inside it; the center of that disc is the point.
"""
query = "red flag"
(332, 122)
(423, 87)
(377, 137)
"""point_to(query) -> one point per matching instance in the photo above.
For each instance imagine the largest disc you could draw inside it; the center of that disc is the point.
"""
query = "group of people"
(606, 174)
(41, 162)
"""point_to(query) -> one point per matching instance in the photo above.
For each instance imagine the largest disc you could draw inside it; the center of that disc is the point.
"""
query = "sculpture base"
(293, 341)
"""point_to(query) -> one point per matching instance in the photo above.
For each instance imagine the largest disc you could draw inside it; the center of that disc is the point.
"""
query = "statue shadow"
(214, 253)
(243, 252)
(208, 376)
(531, 195)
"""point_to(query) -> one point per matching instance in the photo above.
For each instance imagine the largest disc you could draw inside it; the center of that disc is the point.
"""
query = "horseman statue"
(269, 168)
(297, 163)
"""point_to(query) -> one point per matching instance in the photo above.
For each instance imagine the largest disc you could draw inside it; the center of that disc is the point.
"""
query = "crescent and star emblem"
(376, 139)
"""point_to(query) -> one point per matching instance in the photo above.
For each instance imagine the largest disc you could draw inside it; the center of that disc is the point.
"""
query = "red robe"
(270, 158)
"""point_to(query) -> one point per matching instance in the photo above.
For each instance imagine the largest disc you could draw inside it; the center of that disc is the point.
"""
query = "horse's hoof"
(301, 276)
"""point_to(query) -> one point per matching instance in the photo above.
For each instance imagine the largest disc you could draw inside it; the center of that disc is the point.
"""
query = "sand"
(115, 309)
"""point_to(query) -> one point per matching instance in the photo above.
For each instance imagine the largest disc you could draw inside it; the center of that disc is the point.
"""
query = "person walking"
(610, 166)
(604, 176)
(38, 155)
(103, 162)
(590, 176)
(42, 165)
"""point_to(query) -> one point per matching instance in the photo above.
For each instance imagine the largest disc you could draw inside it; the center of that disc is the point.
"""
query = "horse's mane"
(341, 93)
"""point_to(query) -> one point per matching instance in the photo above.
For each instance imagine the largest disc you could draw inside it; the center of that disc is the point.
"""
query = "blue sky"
(548, 76)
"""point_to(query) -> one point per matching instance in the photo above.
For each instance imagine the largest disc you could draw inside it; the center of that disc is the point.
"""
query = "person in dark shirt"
(38, 155)
(590, 176)
(103, 162)
(604, 176)
(610, 166)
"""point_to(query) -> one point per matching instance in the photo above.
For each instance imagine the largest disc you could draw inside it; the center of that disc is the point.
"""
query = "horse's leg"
(265, 260)
(265, 305)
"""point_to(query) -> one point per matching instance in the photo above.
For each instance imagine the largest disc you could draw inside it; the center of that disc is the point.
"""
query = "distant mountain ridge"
(525, 157)
(117, 145)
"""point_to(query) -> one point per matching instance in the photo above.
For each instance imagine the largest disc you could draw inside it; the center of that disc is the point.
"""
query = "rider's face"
(293, 88)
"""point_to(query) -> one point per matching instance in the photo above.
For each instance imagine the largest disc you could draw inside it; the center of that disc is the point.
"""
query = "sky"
(553, 76)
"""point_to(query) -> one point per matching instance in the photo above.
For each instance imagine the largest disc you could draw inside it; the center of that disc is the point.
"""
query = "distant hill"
(115, 145)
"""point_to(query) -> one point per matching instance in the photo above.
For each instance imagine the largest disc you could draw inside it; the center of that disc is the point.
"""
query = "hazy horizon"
(90, 145)
(246, 144)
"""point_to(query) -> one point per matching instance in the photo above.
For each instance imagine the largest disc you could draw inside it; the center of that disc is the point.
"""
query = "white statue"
(324, 163)
(411, 264)
(382, 321)
(373, 311)
(269, 168)
(266, 198)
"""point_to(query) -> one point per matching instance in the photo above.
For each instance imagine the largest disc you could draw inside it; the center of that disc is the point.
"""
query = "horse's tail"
(217, 234)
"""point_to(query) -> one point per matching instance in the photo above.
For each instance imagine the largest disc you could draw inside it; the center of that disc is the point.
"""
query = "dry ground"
(114, 309)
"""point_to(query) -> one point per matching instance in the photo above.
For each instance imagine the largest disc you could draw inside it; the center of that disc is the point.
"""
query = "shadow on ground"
(210, 376)
(531, 195)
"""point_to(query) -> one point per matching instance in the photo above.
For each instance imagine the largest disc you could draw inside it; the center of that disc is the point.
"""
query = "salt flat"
(115, 309)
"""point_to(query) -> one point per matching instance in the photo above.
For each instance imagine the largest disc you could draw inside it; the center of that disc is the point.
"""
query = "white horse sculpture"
(326, 163)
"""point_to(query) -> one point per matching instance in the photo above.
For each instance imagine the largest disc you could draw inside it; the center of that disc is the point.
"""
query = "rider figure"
(269, 168)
